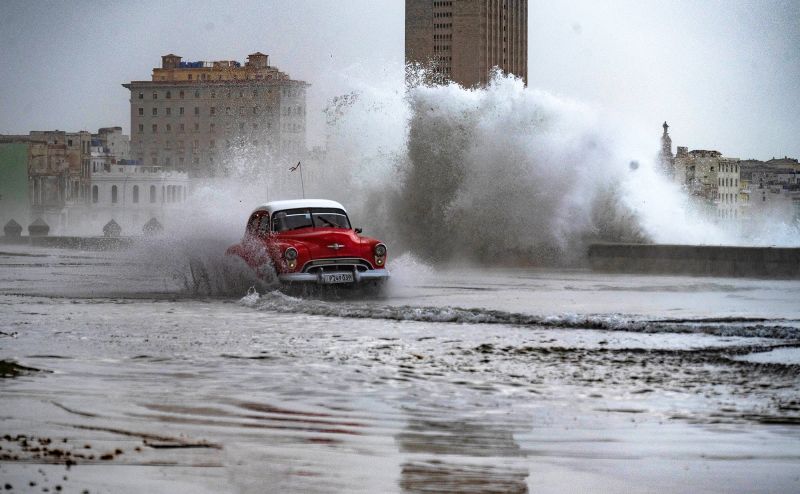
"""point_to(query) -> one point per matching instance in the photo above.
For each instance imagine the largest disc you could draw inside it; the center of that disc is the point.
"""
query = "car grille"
(337, 264)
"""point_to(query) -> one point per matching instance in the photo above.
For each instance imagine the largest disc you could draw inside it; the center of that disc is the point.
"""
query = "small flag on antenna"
(295, 167)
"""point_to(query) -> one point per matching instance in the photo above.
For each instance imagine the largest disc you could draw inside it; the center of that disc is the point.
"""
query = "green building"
(14, 203)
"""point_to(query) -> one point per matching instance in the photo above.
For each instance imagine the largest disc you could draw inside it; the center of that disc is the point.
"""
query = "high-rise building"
(464, 40)
(190, 115)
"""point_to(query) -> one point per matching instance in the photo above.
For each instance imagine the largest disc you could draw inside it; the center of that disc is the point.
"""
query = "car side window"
(258, 225)
(252, 224)
(263, 225)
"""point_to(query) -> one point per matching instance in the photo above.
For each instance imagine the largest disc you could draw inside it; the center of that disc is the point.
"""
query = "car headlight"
(290, 254)
(380, 250)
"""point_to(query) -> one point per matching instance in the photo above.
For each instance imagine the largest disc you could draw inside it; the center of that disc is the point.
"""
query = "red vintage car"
(310, 240)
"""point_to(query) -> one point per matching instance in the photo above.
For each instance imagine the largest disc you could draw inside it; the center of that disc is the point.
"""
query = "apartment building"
(191, 116)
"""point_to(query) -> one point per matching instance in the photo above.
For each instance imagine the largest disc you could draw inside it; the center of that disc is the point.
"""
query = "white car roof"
(273, 206)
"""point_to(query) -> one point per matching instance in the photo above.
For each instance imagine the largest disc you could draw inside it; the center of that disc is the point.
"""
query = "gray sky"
(724, 74)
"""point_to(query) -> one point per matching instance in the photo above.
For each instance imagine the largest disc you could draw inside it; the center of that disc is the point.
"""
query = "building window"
(135, 194)
(141, 95)
(183, 128)
(196, 127)
(155, 112)
(213, 110)
(141, 111)
(180, 95)
(180, 111)
(197, 94)
(255, 110)
(190, 77)
(169, 94)
(213, 94)
(212, 127)
(169, 111)
(155, 95)
(227, 110)
(141, 127)
(212, 143)
(169, 128)
(155, 128)
(113, 194)
(95, 194)
(197, 110)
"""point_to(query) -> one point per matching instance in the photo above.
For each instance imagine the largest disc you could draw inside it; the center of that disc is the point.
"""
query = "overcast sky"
(724, 74)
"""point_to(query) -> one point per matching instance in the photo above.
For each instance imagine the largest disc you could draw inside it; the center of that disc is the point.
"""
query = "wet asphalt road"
(120, 375)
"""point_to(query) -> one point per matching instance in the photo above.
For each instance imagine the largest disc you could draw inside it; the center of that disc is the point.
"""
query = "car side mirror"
(358, 230)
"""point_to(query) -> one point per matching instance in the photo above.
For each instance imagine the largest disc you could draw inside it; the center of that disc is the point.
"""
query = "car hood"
(325, 243)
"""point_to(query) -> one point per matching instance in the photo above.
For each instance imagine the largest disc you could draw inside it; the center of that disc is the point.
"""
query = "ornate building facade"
(705, 174)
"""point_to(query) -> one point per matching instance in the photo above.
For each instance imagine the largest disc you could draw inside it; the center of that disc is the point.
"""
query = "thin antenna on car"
(302, 185)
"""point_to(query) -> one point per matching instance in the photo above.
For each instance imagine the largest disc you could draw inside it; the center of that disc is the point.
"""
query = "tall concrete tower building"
(463, 40)
(665, 158)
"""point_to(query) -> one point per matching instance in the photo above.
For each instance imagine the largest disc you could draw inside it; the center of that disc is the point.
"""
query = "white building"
(132, 194)
(112, 139)
(728, 188)
(712, 179)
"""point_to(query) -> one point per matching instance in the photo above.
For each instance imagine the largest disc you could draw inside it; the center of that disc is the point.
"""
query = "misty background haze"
(723, 74)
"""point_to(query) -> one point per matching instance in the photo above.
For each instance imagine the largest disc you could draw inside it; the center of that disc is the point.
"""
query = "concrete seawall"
(700, 260)
(82, 243)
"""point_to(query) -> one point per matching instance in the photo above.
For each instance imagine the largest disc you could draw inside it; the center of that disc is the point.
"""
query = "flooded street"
(116, 378)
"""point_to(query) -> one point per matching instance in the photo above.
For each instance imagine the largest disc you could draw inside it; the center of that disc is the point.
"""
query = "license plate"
(330, 278)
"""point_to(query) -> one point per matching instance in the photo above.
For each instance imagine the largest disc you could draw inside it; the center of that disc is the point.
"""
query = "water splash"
(503, 174)
(508, 174)
(276, 301)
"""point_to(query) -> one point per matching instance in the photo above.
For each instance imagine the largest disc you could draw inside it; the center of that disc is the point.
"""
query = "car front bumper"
(359, 277)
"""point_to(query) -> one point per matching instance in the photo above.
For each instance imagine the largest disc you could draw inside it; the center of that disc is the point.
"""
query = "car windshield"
(293, 219)
(330, 218)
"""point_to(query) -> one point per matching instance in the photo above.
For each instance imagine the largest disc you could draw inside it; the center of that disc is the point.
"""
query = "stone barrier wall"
(82, 243)
(700, 260)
